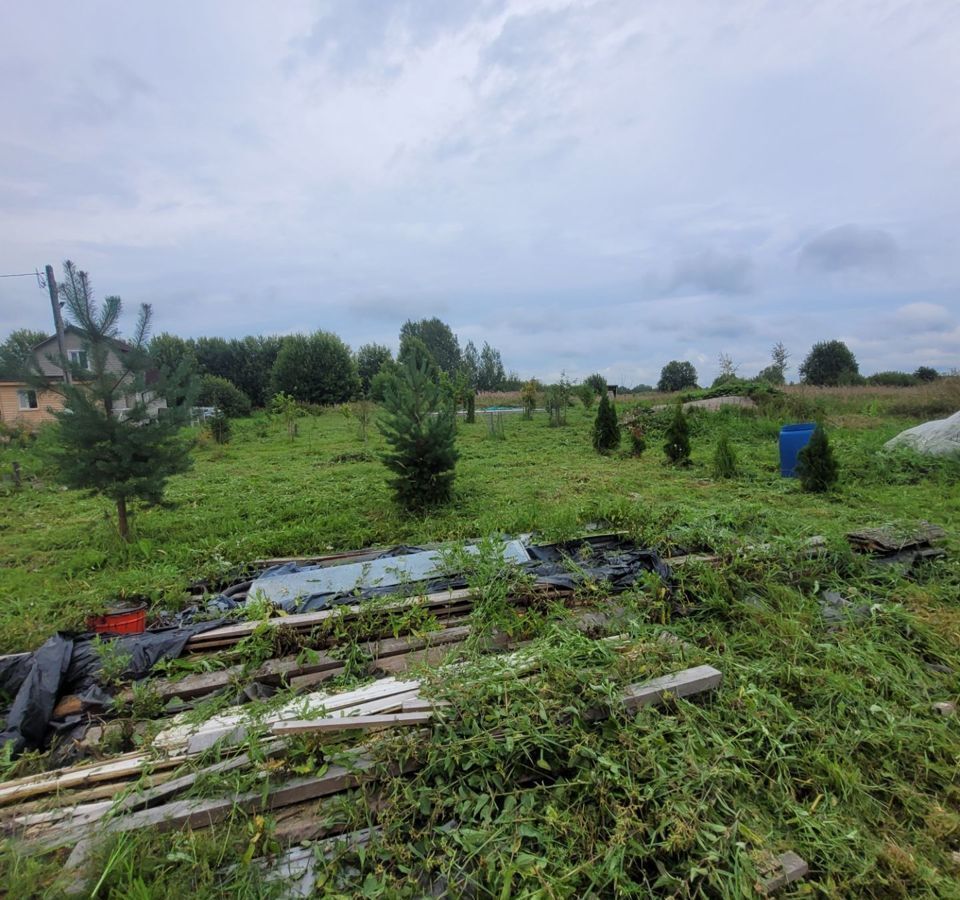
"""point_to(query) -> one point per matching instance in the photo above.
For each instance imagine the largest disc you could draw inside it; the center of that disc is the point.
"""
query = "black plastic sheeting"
(603, 558)
(70, 664)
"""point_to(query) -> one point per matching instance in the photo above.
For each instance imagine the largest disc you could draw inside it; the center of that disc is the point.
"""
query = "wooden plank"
(311, 619)
(351, 723)
(679, 684)
(288, 668)
(200, 813)
(890, 540)
(234, 724)
(789, 868)
(81, 776)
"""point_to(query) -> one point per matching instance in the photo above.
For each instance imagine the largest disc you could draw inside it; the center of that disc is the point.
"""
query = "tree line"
(828, 364)
(319, 368)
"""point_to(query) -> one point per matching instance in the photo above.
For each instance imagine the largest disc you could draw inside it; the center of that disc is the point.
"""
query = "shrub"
(606, 431)
(926, 373)
(420, 430)
(597, 382)
(724, 459)
(471, 408)
(586, 394)
(893, 379)
(677, 446)
(219, 426)
(528, 396)
(224, 395)
(638, 440)
(816, 467)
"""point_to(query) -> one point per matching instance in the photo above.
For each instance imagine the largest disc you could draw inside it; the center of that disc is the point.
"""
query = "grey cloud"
(849, 247)
(105, 92)
(352, 36)
(712, 273)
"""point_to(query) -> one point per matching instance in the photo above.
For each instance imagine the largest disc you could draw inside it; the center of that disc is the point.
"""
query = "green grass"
(820, 740)
(263, 495)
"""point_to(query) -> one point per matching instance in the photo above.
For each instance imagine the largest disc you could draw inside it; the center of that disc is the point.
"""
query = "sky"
(589, 186)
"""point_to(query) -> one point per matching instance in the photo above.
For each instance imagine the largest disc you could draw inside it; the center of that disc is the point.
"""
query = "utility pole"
(58, 323)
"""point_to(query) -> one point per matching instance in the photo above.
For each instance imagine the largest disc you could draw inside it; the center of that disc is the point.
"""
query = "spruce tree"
(677, 446)
(606, 430)
(816, 467)
(724, 459)
(419, 428)
(109, 442)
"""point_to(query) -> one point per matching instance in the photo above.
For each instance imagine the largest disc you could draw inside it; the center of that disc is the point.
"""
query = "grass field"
(263, 495)
(822, 740)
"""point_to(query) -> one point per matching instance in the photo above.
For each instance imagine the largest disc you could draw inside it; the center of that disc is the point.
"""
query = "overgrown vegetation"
(821, 739)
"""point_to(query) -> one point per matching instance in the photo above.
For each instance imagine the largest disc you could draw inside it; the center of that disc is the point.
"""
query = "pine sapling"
(724, 459)
(606, 430)
(677, 446)
(816, 467)
(419, 427)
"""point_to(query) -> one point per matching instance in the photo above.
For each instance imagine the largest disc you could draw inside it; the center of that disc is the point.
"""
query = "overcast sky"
(590, 186)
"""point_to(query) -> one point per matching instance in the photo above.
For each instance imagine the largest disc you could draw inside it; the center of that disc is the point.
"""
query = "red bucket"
(124, 618)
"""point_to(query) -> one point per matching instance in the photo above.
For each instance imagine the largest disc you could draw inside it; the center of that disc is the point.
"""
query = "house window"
(28, 399)
(79, 358)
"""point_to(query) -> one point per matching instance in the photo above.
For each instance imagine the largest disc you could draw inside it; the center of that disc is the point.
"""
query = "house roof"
(72, 329)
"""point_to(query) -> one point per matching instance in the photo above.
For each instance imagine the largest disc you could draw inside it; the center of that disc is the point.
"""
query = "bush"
(528, 397)
(219, 426)
(224, 395)
(816, 467)
(893, 379)
(724, 459)
(606, 431)
(471, 408)
(586, 394)
(638, 440)
(677, 446)
(925, 373)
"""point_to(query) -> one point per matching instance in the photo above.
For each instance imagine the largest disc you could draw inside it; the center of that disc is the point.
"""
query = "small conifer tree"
(471, 407)
(724, 459)
(677, 446)
(638, 439)
(109, 440)
(816, 467)
(220, 428)
(420, 429)
(606, 430)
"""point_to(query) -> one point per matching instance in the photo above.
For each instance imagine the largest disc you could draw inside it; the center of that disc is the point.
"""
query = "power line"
(41, 281)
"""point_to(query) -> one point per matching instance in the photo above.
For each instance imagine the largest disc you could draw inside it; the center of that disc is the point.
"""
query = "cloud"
(712, 273)
(611, 185)
(849, 247)
(923, 318)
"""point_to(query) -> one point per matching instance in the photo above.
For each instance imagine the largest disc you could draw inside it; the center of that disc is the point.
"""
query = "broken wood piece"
(890, 540)
(790, 868)
(351, 723)
(679, 684)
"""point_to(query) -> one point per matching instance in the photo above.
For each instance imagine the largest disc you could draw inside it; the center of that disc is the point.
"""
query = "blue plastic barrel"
(793, 438)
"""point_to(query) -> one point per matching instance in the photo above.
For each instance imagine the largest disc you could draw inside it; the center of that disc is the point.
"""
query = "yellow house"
(22, 404)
